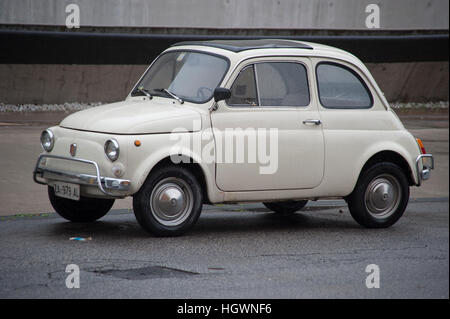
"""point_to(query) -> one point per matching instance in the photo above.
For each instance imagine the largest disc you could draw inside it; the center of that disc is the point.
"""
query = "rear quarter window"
(340, 87)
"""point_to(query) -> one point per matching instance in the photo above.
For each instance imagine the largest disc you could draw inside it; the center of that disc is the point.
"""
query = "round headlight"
(112, 149)
(47, 140)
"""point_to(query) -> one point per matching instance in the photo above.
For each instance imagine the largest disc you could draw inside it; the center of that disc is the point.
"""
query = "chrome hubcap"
(383, 196)
(171, 201)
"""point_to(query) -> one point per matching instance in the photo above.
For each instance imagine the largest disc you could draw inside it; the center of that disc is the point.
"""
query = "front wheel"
(286, 207)
(82, 211)
(380, 196)
(169, 203)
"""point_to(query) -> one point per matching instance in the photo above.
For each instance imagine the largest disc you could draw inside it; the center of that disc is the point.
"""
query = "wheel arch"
(185, 159)
(189, 164)
(392, 157)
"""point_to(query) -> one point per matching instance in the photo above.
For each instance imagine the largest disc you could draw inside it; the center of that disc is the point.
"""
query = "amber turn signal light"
(422, 148)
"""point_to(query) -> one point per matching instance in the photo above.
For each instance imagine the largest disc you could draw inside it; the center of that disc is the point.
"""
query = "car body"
(334, 136)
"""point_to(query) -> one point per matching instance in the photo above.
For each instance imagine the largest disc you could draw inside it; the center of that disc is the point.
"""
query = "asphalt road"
(235, 251)
(239, 251)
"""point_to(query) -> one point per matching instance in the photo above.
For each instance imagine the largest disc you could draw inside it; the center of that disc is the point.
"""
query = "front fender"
(158, 147)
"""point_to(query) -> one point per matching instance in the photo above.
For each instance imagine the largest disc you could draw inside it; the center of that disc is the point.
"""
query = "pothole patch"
(150, 272)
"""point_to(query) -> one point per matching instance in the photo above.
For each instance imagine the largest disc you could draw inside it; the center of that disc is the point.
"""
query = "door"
(268, 135)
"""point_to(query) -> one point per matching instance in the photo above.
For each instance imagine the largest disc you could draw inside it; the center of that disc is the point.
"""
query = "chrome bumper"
(423, 173)
(102, 183)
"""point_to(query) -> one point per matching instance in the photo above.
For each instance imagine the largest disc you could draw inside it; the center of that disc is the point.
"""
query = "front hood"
(135, 117)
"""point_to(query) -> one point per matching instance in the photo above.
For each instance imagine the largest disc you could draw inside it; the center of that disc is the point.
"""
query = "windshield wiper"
(145, 91)
(171, 94)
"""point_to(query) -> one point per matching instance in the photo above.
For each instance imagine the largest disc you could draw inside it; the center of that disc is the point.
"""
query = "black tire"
(287, 207)
(82, 211)
(169, 203)
(373, 203)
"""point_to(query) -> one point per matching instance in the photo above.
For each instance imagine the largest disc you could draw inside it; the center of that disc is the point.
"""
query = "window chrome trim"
(272, 59)
(255, 72)
(256, 88)
(354, 73)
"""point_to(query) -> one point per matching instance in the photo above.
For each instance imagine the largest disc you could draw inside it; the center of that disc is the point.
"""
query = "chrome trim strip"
(255, 74)
(78, 178)
(424, 173)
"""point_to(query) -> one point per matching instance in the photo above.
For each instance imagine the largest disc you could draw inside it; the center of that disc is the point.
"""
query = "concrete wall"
(50, 83)
(276, 14)
(65, 82)
(412, 82)
(47, 83)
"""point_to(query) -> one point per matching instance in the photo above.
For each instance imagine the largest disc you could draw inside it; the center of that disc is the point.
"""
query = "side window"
(243, 90)
(282, 84)
(341, 88)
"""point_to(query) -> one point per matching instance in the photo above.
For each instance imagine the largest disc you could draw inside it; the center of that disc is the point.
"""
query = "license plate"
(66, 190)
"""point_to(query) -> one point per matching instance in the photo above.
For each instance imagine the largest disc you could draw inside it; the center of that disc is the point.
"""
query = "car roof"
(238, 49)
(243, 45)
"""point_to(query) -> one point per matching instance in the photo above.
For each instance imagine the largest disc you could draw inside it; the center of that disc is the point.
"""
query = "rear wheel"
(85, 210)
(287, 207)
(380, 196)
(169, 203)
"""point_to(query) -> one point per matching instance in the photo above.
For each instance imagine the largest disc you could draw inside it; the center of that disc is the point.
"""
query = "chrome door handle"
(316, 122)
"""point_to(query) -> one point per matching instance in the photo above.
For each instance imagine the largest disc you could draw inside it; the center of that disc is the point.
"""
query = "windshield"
(192, 76)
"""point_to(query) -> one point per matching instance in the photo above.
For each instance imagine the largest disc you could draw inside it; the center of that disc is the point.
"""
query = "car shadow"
(271, 222)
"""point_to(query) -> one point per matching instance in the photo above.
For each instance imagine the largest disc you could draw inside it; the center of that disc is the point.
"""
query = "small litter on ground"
(80, 238)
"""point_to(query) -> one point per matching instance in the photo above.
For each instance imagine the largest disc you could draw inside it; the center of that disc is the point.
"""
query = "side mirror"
(221, 94)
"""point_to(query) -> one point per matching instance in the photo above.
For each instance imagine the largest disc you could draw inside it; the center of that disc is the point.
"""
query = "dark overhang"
(52, 47)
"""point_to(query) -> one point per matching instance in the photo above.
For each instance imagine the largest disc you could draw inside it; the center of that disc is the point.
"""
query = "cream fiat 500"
(273, 121)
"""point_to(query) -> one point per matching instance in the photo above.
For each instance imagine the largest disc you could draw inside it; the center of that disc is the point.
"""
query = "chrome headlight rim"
(115, 144)
(48, 147)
